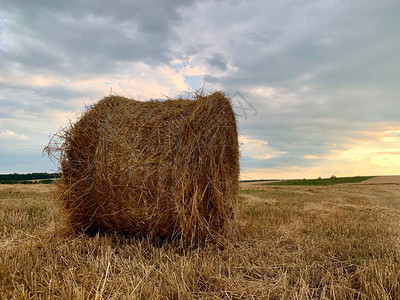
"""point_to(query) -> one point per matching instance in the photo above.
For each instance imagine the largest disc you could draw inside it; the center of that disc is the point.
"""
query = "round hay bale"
(167, 169)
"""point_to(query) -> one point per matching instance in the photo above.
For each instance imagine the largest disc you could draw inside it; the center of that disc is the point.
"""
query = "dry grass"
(334, 242)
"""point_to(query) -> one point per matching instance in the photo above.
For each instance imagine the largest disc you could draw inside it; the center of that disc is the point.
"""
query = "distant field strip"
(383, 180)
(322, 181)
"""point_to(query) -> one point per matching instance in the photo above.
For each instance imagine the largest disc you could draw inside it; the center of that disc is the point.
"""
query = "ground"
(290, 242)
(383, 180)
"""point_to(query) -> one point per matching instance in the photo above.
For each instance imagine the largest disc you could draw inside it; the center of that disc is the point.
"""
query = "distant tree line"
(28, 178)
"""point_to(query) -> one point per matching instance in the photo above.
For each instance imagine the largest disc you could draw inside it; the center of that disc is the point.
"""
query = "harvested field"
(383, 180)
(291, 242)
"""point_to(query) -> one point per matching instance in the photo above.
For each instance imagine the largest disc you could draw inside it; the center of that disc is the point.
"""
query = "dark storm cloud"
(36, 100)
(218, 60)
(87, 37)
(334, 47)
(56, 91)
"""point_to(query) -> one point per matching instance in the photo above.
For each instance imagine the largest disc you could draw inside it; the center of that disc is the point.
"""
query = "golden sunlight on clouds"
(257, 149)
(43, 81)
(380, 153)
(177, 79)
(15, 76)
(138, 81)
(151, 83)
(193, 71)
(377, 154)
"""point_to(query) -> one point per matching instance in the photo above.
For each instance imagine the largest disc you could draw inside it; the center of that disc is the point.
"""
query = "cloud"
(218, 61)
(11, 134)
(88, 38)
(192, 71)
(264, 92)
(257, 149)
(311, 156)
(382, 150)
(372, 153)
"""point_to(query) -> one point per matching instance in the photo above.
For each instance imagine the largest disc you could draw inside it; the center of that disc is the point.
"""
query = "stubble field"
(290, 242)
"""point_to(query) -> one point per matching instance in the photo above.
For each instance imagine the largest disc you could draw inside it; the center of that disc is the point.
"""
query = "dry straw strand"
(157, 168)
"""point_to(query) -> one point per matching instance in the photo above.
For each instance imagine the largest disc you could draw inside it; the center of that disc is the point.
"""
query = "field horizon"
(15, 178)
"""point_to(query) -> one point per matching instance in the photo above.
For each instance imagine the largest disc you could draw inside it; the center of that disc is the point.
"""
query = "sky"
(314, 84)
